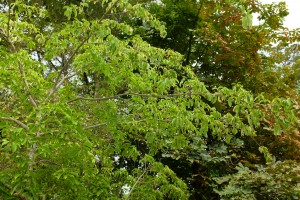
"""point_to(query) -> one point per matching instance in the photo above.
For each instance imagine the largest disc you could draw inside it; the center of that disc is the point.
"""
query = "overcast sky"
(293, 20)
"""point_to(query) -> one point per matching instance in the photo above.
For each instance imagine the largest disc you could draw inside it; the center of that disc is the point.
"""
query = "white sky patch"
(292, 21)
(256, 22)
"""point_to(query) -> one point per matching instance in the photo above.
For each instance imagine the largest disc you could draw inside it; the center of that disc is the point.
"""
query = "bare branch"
(31, 99)
(17, 122)
(55, 88)
(65, 66)
(31, 156)
(95, 126)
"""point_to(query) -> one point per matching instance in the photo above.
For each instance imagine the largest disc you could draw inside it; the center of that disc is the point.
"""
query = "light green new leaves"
(267, 155)
(247, 18)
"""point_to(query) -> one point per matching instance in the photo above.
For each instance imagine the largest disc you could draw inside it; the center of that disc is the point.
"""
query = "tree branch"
(135, 184)
(15, 193)
(65, 65)
(190, 42)
(95, 126)
(8, 20)
(17, 122)
(56, 86)
(111, 7)
(104, 124)
(21, 69)
(31, 99)
(136, 94)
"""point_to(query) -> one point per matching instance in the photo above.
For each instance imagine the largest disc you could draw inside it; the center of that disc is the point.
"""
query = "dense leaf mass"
(141, 99)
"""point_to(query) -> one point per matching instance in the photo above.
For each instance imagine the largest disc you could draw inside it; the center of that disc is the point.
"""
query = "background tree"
(211, 36)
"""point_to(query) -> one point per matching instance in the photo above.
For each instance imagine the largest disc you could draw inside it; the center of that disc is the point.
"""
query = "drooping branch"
(133, 94)
(137, 121)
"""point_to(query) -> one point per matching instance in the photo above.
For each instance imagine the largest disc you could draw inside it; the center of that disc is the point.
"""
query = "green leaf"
(277, 129)
(14, 147)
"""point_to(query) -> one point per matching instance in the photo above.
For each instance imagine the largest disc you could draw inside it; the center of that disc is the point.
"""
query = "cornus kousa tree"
(89, 110)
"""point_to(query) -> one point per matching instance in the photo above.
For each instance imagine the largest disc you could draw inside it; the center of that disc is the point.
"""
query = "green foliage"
(247, 18)
(90, 110)
(275, 181)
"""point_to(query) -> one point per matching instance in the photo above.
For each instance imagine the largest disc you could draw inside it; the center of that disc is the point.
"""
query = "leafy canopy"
(91, 110)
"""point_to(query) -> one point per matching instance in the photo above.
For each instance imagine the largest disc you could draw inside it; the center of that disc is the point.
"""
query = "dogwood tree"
(89, 110)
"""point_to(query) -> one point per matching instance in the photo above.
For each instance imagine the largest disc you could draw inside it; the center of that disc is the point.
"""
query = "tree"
(215, 41)
(90, 110)
(221, 51)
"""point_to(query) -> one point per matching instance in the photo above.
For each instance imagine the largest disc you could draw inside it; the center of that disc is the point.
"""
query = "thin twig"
(8, 20)
(135, 184)
(17, 122)
(95, 126)
(65, 66)
(78, 48)
(31, 99)
(111, 7)
(21, 68)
